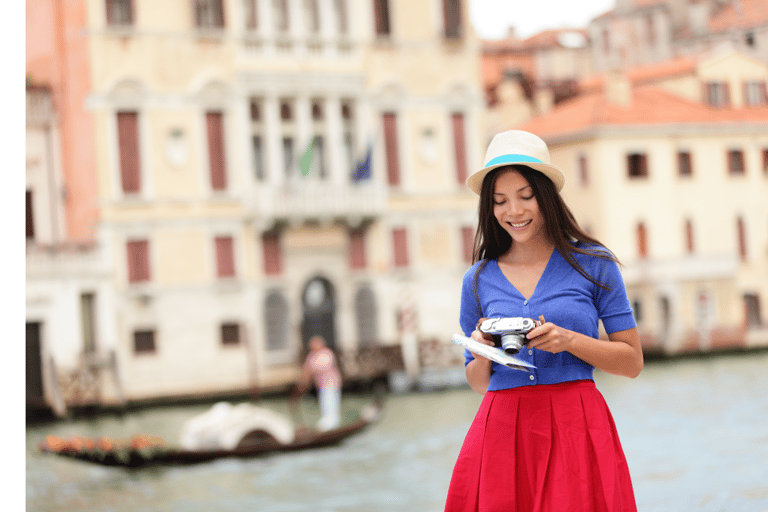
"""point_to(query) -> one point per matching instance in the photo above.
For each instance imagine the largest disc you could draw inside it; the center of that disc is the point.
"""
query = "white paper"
(492, 353)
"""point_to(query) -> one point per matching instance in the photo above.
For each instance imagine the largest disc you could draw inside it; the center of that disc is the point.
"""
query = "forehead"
(509, 181)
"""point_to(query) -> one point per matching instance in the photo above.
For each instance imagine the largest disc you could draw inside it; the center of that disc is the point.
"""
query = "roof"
(680, 66)
(648, 106)
(739, 14)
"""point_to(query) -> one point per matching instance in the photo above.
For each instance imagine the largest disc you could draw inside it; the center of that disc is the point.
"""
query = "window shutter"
(400, 243)
(741, 232)
(128, 143)
(459, 142)
(272, 254)
(138, 261)
(215, 125)
(30, 216)
(452, 17)
(381, 17)
(225, 257)
(392, 153)
(642, 241)
(357, 249)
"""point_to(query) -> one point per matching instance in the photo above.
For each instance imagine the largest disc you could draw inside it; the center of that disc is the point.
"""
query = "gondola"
(144, 451)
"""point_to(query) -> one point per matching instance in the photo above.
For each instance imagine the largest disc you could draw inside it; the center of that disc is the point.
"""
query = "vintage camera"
(512, 331)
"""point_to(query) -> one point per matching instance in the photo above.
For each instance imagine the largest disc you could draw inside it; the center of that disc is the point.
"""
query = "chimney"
(618, 90)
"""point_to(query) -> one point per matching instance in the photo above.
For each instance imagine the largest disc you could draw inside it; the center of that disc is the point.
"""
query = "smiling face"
(516, 209)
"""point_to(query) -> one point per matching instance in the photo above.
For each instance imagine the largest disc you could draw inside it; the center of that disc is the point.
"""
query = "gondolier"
(320, 367)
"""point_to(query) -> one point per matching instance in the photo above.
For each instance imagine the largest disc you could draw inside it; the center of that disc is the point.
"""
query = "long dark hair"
(492, 241)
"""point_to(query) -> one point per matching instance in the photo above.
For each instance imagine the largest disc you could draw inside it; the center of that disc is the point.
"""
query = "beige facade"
(226, 259)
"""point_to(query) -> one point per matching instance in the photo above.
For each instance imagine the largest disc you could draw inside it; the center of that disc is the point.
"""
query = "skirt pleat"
(547, 448)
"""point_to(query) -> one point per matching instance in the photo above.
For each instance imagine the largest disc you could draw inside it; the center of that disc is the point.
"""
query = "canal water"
(695, 433)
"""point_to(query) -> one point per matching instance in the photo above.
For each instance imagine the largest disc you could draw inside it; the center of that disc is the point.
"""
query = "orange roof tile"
(649, 106)
(646, 74)
(739, 14)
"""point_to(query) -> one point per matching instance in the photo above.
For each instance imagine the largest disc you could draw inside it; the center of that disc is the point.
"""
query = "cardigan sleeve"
(612, 305)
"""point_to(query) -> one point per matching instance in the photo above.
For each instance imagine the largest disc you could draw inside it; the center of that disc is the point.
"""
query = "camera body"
(512, 331)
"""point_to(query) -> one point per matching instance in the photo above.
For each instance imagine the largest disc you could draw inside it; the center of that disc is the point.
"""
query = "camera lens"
(511, 343)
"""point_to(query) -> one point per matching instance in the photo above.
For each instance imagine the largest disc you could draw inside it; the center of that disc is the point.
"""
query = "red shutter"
(225, 256)
(642, 241)
(390, 144)
(272, 254)
(459, 142)
(400, 243)
(357, 249)
(741, 231)
(468, 239)
(128, 143)
(215, 124)
(138, 260)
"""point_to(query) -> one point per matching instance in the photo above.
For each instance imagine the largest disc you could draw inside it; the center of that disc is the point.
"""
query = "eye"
(528, 198)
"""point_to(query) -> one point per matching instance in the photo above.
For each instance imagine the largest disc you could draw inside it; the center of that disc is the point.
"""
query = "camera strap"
(475, 279)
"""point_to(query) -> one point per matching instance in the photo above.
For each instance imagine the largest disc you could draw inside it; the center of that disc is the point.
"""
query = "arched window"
(276, 320)
(365, 304)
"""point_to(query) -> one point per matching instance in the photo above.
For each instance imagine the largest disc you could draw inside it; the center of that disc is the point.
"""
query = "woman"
(545, 440)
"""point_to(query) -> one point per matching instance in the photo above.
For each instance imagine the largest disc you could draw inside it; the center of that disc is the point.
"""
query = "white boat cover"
(224, 426)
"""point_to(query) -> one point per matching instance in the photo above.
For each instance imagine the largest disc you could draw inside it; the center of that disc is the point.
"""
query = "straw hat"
(521, 148)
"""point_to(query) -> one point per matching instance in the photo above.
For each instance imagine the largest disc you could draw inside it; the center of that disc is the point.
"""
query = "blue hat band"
(513, 159)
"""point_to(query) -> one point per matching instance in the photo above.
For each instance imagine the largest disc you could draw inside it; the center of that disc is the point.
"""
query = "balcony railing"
(312, 200)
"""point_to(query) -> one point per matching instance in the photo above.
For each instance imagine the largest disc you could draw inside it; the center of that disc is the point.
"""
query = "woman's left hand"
(550, 337)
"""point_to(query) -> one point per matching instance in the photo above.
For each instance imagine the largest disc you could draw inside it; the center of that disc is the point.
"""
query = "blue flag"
(363, 167)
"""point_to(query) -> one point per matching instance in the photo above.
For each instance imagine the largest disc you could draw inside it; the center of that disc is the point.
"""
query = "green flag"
(306, 159)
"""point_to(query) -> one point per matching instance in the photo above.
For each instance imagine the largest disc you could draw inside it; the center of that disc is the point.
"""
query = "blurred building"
(670, 171)
(266, 170)
(640, 32)
(70, 356)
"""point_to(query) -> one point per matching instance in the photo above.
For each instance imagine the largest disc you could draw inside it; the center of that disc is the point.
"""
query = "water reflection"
(694, 433)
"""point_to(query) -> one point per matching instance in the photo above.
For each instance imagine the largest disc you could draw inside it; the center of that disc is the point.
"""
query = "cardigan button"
(531, 377)
(530, 352)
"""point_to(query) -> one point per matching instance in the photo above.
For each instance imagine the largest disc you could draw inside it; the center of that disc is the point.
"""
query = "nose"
(515, 207)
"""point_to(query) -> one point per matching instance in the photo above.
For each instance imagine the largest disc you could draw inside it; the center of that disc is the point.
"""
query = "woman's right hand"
(482, 337)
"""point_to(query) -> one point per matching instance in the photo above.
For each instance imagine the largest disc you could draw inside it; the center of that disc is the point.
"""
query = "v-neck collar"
(542, 277)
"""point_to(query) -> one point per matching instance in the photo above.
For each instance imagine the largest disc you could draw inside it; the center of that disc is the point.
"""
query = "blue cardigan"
(565, 298)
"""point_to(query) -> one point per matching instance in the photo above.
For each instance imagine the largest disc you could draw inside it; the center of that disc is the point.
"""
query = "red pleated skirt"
(546, 448)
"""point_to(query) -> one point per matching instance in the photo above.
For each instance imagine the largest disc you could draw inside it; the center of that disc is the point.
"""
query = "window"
(143, 342)
(225, 256)
(342, 18)
(735, 162)
(209, 14)
(276, 315)
(280, 13)
(684, 167)
(272, 253)
(637, 309)
(765, 161)
(651, 30)
(318, 157)
(583, 171)
(392, 154)
(311, 16)
(357, 258)
(288, 162)
(138, 260)
(689, 241)
(365, 309)
(755, 94)
(452, 18)
(468, 243)
(230, 334)
(30, 216)
(400, 246)
(119, 13)
(716, 94)
(642, 241)
(606, 41)
(258, 157)
(742, 238)
(128, 146)
(88, 321)
(637, 165)
(460, 147)
(752, 310)
(251, 14)
(215, 124)
(381, 17)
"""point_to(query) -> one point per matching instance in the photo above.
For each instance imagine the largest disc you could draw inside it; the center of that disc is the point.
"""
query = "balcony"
(305, 200)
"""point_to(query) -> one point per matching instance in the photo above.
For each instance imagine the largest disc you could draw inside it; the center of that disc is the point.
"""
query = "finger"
(541, 320)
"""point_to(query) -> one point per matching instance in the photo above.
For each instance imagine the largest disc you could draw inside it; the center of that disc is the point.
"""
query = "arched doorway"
(318, 299)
